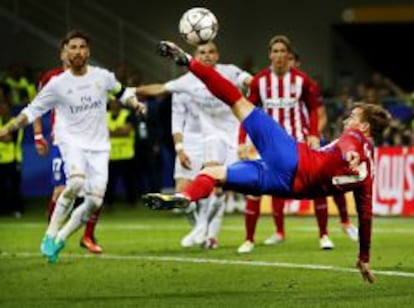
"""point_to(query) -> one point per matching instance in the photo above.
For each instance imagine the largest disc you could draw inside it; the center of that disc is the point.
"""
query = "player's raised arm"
(126, 95)
(155, 89)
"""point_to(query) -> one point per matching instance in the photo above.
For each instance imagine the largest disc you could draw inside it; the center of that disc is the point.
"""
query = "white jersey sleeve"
(111, 83)
(237, 75)
(114, 87)
(181, 84)
(42, 103)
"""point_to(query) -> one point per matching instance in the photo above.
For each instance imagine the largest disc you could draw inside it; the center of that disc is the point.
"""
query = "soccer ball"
(198, 26)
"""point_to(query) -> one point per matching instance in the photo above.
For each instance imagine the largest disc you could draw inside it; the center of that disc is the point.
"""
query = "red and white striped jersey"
(292, 100)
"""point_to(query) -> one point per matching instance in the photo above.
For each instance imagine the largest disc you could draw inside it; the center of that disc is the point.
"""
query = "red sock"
(216, 83)
(200, 187)
(50, 207)
(321, 213)
(278, 216)
(251, 215)
(341, 205)
(90, 226)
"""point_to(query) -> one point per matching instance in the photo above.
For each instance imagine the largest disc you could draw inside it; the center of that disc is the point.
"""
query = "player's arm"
(39, 140)
(152, 90)
(322, 119)
(313, 101)
(351, 148)
(179, 150)
(20, 121)
(127, 96)
(244, 79)
(179, 111)
(363, 201)
(43, 102)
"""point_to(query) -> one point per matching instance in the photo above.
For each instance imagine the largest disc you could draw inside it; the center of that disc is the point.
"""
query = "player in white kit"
(218, 125)
(186, 131)
(79, 96)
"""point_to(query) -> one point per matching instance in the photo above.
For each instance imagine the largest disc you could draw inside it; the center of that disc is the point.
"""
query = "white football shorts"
(92, 164)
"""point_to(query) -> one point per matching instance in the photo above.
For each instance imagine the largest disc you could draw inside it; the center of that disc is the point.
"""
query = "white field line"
(184, 227)
(4, 255)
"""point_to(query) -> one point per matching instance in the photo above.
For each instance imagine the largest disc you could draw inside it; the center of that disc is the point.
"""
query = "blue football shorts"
(275, 172)
(58, 173)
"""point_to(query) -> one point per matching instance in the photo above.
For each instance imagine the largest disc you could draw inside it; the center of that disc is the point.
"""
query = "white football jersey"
(80, 104)
(185, 119)
(216, 117)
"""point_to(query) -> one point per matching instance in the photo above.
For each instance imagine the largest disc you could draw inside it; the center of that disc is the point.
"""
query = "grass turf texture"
(143, 265)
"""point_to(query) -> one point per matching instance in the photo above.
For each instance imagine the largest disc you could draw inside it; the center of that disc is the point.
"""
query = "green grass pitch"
(143, 265)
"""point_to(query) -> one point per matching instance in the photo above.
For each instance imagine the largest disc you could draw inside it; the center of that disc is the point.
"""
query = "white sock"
(202, 218)
(216, 213)
(60, 213)
(79, 217)
(191, 213)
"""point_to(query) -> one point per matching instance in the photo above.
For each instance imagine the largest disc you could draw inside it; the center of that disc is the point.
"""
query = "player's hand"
(140, 108)
(353, 159)
(41, 145)
(366, 272)
(314, 142)
(243, 151)
(184, 159)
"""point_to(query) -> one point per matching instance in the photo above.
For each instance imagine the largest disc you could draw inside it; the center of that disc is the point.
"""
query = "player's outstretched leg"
(158, 201)
(171, 50)
(201, 187)
(216, 83)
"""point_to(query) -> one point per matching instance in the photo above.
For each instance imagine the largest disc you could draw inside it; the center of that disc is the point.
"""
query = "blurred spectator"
(134, 78)
(10, 159)
(148, 147)
(121, 165)
(121, 73)
(22, 90)
(371, 95)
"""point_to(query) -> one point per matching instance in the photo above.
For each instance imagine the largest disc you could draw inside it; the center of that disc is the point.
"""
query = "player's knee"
(216, 172)
(95, 201)
(57, 191)
(74, 186)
